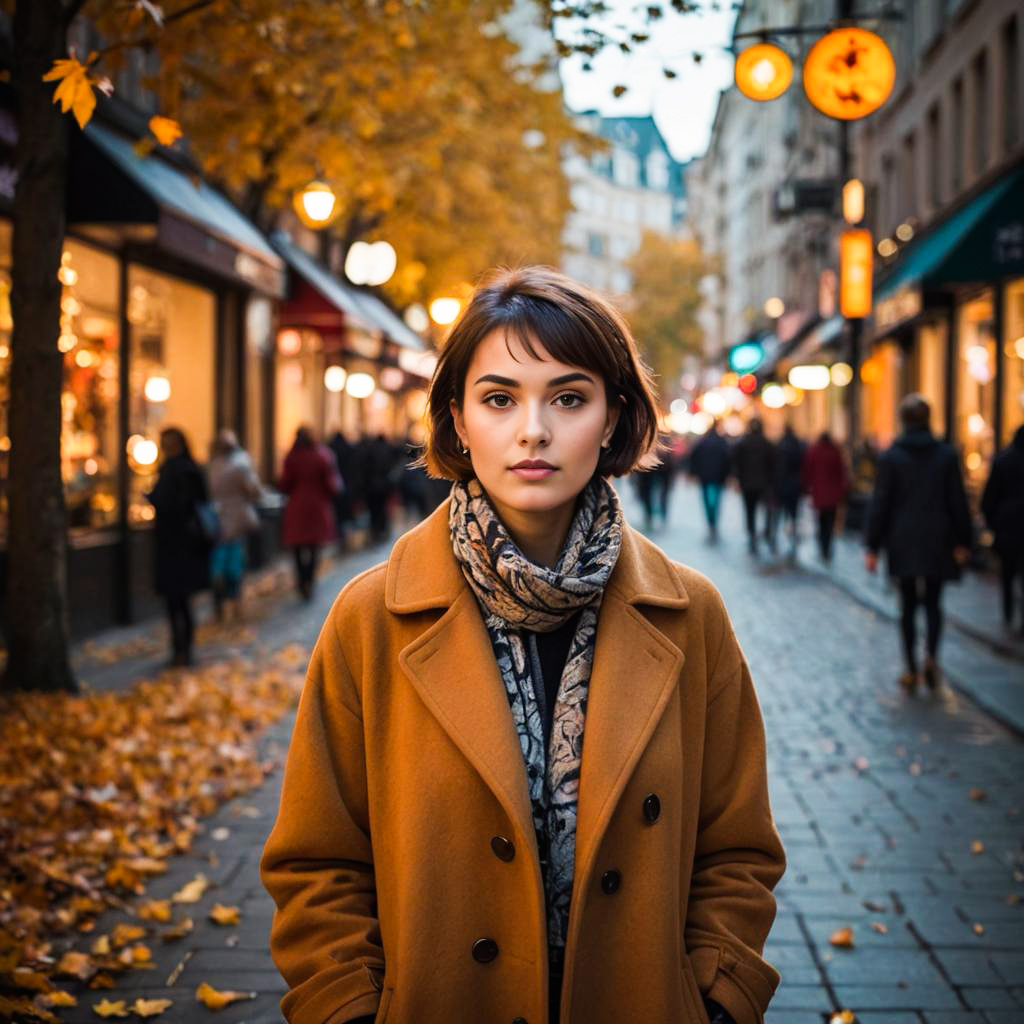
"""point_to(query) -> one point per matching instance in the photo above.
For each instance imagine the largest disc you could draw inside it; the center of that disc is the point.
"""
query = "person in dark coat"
(1002, 505)
(710, 463)
(827, 481)
(789, 466)
(182, 549)
(345, 458)
(310, 479)
(383, 469)
(919, 515)
(753, 463)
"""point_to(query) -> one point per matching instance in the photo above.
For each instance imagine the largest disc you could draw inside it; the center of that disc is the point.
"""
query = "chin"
(536, 497)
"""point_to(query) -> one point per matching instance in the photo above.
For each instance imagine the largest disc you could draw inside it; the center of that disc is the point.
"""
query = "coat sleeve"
(739, 858)
(318, 862)
(880, 508)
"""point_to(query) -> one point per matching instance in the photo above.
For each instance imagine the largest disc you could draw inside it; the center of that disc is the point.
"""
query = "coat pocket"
(691, 994)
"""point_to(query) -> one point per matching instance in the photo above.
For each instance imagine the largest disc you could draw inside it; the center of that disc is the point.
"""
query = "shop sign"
(1009, 243)
(891, 311)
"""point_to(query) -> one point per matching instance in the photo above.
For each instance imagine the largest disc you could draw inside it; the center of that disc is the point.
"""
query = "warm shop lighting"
(976, 424)
(905, 232)
(83, 358)
(289, 342)
(974, 461)
(416, 318)
(334, 378)
(90, 467)
(774, 307)
(810, 378)
(141, 450)
(773, 396)
(853, 201)
(391, 378)
(157, 388)
(700, 422)
(680, 422)
(886, 248)
(842, 374)
(317, 205)
(714, 403)
(371, 264)
(763, 72)
(678, 405)
(1018, 347)
(66, 342)
(856, 264)
(360, 385)
(445, 311)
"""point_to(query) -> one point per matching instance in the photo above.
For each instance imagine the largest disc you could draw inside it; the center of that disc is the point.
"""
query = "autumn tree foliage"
(665, 299)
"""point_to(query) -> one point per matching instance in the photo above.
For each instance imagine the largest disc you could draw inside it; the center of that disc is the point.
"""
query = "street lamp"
(317, 205)
(763, 72)
(445, 311)
(371, 264)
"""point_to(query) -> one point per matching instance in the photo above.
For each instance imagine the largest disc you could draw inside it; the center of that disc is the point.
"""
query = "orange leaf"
(842, 939)
(76, 965)
(105, 1008)
(155, 910)
(225, 915)
(166, 129)
(125, 933)
(150, 1007)
(214, 1000)
(58, 998)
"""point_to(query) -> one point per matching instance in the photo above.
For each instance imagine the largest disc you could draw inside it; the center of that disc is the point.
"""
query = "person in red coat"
(311, 481)
(826, 480)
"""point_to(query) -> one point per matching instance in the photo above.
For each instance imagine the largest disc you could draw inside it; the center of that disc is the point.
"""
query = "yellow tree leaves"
(214, 1000)
(166, 130)
(75, 87)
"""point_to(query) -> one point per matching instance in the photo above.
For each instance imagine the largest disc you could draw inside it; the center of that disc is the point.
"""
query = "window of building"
(657, 169)
(980, 115)
(171, 373)
(90, 340)
(908, 199)
(889, 203)
(597, 244)
(976, 389)
(1012, 108)
(625, 167)
(1013, 360)
(956, 137)
(934, 158)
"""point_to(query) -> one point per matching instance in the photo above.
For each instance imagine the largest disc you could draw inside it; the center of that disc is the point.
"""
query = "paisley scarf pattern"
(515, 594)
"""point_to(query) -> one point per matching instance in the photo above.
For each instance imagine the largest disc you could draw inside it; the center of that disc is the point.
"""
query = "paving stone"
(895, 997)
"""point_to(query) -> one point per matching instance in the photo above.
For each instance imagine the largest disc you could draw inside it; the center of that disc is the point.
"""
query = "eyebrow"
(508, 382)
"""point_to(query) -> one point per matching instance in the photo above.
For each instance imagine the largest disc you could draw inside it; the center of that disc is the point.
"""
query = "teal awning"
(983, 241)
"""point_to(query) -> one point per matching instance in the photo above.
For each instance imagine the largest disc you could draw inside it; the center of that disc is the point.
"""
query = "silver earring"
(465, 450)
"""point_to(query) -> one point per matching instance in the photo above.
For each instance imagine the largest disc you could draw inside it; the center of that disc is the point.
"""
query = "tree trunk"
(36, 617)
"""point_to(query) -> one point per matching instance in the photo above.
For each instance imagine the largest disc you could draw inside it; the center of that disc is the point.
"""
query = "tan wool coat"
(404, 863)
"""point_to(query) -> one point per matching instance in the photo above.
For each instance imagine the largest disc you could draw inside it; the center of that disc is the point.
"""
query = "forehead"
(527, 354)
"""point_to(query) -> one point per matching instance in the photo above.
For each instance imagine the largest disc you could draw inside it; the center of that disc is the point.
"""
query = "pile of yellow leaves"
(98, 791)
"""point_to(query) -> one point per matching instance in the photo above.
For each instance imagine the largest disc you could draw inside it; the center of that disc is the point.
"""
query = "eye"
(569, 400)
(498, 400)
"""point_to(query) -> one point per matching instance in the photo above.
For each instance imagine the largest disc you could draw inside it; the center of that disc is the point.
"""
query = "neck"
(539, 535)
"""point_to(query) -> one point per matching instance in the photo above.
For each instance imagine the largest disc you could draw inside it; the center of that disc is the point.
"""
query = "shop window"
(171, 374)
(89, 402)
(930, 377)
(259, 342)
(1013, 361)
(298, 390)
(976, 389)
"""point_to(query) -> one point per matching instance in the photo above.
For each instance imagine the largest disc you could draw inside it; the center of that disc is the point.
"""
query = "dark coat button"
(610, 881)
(652, 808)
(504, 849)
(484, 950)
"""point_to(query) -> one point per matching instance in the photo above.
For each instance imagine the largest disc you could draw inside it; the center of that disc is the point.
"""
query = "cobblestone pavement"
(900, 816)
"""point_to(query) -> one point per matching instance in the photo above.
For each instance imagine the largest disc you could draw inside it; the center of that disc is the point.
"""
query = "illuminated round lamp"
(157, 389)
(763, 72)
(90, 467)
(905, 232)
(747, 384)
(714, 403)
(810, 377)
(416, 318)
(1018, 347)
(974, 461)
(371, 264)
(83, 358)
(679, 422)
(360, 385)
(975, 424)
(678, 405)
(67, 277)
(317, 205)
(142, 452)
(730, 379)
(445, 311)
(886, 248)
(335, 378)
(66, 342)
(773, 396)
(849, 73)
(391, 378)
(841, 374)
(289, 342)
(774, 307)
(794, 396)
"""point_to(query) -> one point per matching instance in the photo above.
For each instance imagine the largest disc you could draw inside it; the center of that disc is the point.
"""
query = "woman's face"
(519, 410)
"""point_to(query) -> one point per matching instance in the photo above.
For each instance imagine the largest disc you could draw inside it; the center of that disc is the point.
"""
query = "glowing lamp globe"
(317, 205)
(849, 73)
(763, 72)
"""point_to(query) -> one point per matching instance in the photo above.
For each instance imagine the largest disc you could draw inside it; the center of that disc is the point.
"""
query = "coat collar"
(423, 572)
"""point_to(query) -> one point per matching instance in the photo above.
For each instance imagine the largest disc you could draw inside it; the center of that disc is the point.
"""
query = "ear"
(459, 421)
(611, 422)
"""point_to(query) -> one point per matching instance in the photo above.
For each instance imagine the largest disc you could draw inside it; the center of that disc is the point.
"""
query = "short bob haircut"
(539, 305)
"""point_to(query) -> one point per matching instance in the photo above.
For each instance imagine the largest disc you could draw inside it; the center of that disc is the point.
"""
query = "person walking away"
(710, 464)
(181, 544)
(827, 481)
(383, 469)
(789, 468)
(753, 462)
(1002, 505)
(502, 762)
(919, 516)
(662, 478)
(310, 479)
(234, 488)
(344, 457)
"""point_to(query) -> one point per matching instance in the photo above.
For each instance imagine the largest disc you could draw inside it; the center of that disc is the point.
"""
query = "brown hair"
(576, 326)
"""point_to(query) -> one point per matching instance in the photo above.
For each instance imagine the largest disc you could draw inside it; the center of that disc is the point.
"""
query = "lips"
(533, 464)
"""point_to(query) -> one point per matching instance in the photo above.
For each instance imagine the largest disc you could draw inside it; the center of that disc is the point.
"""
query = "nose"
(533, 428)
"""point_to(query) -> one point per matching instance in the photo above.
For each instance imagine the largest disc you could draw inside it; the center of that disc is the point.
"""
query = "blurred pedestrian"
(789, 468)
(382, 471)
(235, 488)
(662, 477)
(1002, 504)
(310, 479)
(710, 464)
(414, 486)
(183, 538)
(827, 481)
(753, 462)
(345, 458)
(643, 485)
(920, 517)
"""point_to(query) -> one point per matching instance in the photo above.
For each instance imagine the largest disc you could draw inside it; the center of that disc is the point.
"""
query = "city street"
(900, 816)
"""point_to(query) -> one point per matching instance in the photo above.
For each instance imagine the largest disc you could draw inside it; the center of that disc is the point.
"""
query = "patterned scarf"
(514, 595)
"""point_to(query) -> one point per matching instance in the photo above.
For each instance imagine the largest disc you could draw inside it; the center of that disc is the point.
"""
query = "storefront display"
(1013, 360)
(976, 387)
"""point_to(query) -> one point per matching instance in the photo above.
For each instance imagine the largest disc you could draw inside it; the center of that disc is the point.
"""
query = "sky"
(684, 107)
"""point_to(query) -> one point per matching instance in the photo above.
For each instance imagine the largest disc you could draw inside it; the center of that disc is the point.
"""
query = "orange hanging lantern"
(763, 72)
(849, 73)
(856, 253)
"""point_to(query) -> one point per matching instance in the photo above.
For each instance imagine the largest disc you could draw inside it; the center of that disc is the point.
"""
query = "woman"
(235, 488)
(826, 480)
(448, 847)
(181, 547)
(310, 479)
